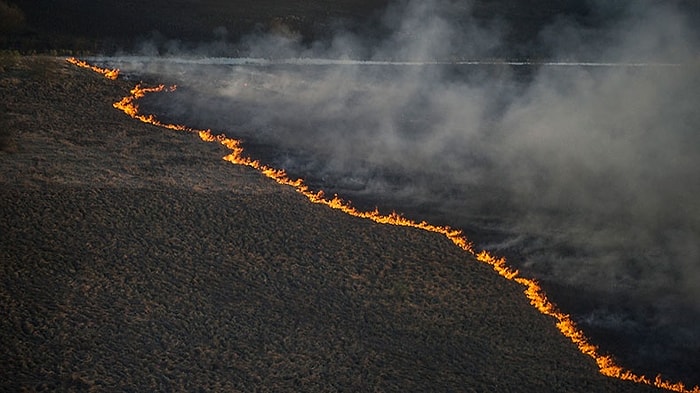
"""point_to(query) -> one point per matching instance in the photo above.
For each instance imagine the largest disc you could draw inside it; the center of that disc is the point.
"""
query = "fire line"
(538, 298)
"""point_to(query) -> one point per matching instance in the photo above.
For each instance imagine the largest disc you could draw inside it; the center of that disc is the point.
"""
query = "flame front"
(109, 74)
(534, 292)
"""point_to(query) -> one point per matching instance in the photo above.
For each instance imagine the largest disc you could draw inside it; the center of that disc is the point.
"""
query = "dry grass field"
(133, 259)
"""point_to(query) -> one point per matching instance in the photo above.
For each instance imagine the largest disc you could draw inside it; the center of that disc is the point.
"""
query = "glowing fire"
(109, 74)
(533, 291)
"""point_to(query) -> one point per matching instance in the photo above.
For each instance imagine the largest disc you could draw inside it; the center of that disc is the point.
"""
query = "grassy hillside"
(133, 258)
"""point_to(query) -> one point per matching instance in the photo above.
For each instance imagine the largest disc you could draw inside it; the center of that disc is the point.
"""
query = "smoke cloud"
(585, 176)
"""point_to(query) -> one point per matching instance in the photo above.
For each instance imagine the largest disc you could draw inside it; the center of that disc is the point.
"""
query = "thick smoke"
(585, 176)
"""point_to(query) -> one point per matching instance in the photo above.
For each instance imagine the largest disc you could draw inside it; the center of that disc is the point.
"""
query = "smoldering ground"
(586, 176)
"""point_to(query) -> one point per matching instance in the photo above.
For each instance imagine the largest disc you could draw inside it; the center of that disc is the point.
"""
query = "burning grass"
(134, 259)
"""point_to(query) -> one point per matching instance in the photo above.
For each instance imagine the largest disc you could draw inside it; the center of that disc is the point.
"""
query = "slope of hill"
(134, 259)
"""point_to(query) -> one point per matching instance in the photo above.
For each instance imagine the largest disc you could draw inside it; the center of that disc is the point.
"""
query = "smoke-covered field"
(581, 169)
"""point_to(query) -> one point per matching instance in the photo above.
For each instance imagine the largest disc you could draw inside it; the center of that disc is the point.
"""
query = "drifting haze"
(588, 175)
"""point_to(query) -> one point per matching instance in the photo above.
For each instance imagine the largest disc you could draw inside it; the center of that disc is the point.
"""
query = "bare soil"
(133, 259)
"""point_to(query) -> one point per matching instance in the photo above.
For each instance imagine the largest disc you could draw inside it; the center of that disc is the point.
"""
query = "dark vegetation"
(88, 26)
(133, 259)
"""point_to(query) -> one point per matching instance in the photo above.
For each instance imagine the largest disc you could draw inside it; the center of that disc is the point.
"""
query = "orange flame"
(534, 292)
(109, 74)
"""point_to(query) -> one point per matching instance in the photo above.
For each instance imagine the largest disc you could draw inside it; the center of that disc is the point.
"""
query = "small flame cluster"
(534, 292)
(112, 74)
